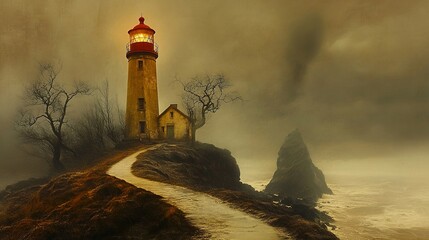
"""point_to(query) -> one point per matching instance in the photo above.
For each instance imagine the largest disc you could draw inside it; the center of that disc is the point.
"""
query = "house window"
(141, 104)
(142, 127)
(140, 65)
(171, 114)
(163, 129)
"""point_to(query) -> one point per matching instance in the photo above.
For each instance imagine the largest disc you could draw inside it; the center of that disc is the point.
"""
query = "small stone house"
(174, 124)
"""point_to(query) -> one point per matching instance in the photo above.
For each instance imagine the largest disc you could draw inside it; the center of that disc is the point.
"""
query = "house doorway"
(170, 131)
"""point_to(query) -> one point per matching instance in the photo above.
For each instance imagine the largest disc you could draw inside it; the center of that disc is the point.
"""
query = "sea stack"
(296, 176)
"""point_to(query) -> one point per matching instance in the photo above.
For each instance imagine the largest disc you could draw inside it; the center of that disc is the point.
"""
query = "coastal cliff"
(89, 204)
(206, 168)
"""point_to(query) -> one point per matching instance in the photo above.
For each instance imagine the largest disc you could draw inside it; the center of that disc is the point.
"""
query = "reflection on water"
(219, 220)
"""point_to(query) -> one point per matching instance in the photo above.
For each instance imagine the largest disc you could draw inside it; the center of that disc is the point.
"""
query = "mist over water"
(378, 207)
(371, 200)
(255, 173)
(351, 75)
(384, 199)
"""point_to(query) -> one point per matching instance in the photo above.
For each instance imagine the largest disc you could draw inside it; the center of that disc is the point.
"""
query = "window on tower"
(141, 104)
(142, 127)
(140, 65)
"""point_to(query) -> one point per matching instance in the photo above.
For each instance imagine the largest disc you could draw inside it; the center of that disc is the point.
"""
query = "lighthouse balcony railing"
(155, 47)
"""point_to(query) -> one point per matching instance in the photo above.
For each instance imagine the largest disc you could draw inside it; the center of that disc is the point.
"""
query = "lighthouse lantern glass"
(141, 36)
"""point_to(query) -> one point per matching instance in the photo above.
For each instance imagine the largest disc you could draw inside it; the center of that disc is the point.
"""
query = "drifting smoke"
(305, 40)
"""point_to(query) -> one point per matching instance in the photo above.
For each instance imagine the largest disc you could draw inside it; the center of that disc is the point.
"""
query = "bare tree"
(100, 126)
(204, 95)
(89, 131)
(112, 125)
(43, 118)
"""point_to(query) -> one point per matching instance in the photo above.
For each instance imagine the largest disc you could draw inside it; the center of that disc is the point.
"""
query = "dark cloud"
(352, 75)
(305, 39)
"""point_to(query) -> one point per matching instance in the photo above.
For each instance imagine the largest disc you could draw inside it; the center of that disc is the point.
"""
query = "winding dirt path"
(217, 219)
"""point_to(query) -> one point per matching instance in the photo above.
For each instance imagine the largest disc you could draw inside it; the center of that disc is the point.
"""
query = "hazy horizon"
(352, 76)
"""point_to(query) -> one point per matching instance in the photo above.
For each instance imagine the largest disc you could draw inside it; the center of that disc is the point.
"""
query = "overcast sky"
(351, 75)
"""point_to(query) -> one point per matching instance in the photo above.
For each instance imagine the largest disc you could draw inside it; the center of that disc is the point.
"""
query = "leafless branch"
(45, 111)
(203, 95)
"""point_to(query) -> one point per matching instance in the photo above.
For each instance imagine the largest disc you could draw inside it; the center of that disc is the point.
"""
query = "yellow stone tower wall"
(142, 83)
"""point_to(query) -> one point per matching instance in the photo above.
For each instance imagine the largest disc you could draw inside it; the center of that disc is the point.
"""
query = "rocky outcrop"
(204, 167)
(296, 175)
(200, 165)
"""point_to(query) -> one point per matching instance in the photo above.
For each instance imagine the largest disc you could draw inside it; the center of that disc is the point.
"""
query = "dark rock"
(296, 176)
(198, 165)
(206, 168)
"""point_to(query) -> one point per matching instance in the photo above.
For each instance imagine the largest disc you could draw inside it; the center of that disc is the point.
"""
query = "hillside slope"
(89, 205)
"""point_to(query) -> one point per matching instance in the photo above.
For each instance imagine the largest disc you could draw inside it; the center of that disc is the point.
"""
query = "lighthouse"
(142, 109)
(142, 118)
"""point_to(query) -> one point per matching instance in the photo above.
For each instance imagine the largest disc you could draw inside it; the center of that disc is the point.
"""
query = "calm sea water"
(367, 207)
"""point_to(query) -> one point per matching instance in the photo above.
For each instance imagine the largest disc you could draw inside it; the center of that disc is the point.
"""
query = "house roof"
(174, 107)
(142, 26)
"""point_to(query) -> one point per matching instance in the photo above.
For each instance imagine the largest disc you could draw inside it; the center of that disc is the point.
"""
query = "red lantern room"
(142, 40)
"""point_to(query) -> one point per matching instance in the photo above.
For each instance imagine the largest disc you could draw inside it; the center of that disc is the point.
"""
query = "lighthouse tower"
(142, 94)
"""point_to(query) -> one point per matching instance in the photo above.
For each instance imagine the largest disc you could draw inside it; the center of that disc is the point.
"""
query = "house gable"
(173, 107)
(174, 124)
